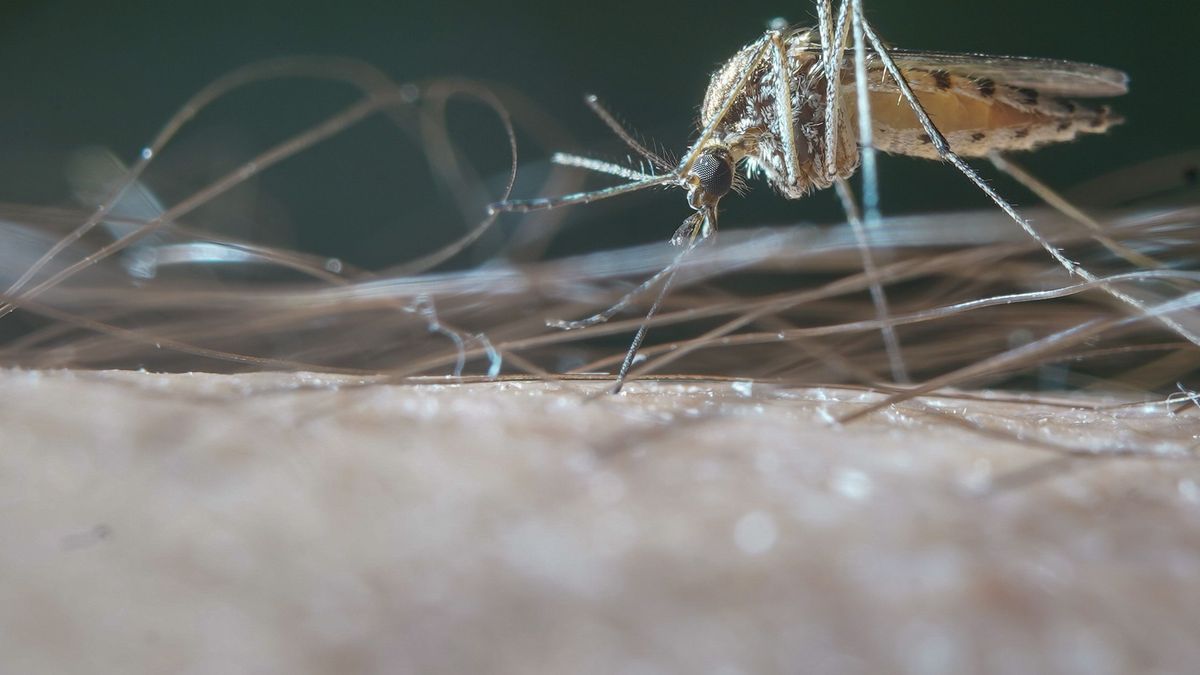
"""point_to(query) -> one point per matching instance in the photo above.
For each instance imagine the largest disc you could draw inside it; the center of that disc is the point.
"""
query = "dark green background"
(77, 73)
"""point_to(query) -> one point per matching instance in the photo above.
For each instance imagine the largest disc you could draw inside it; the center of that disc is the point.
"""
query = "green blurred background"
(78, 73)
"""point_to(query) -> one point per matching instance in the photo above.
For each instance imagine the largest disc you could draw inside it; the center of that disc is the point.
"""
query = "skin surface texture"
(311, 524)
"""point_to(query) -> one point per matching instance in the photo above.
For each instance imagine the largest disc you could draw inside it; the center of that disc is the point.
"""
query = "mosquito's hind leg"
(1065, 207)
(833, 39)
(944, 151)
(891, 342)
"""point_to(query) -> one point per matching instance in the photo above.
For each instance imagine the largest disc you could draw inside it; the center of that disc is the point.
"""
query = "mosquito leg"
(833, 44)
(870, 174)
(891, 342)
(833, 36)
(1060, 204)
(825, 27)
(943, 148)
(618, 129)
(870, 182)
(783, 105)
(760, 49)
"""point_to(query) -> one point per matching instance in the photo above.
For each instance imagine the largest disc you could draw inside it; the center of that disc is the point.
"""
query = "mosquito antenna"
(891, 342)
(617, 128)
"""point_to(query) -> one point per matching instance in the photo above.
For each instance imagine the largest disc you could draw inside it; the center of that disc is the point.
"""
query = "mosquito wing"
(983, 104)
(1052, 77)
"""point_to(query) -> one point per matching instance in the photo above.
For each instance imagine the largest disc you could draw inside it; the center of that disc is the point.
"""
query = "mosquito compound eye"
(714, 170)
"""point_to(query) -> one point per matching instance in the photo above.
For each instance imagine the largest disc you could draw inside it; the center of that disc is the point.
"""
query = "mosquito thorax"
(710, 177)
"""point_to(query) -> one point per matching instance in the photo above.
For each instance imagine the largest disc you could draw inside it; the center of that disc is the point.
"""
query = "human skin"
(306, 523)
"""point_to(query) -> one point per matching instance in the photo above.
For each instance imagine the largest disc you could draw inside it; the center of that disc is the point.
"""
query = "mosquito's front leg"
(783, 105)
(759, 49)
(833, 45)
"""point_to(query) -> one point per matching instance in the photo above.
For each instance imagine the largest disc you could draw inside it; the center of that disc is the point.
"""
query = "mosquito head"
(710, 177)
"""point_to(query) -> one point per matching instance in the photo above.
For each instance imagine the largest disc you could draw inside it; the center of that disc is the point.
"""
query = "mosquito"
(801, 109)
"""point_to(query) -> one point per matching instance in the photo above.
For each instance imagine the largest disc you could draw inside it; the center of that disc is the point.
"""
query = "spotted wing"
(986, 103)
(1052, 77)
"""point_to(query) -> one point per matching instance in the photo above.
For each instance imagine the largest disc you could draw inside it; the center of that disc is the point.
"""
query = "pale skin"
(201, 522)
